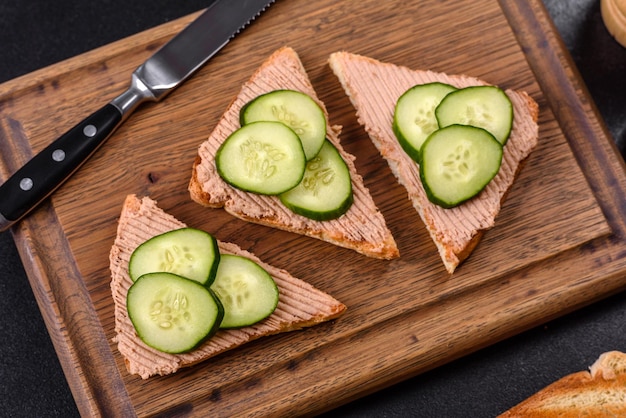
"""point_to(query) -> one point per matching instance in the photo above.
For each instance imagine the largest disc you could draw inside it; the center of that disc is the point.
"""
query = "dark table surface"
(37, 33)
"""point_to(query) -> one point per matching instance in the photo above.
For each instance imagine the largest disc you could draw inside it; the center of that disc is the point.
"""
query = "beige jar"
(614, 17)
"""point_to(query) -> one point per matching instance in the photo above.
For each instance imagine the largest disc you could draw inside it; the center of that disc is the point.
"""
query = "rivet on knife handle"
(153, 80)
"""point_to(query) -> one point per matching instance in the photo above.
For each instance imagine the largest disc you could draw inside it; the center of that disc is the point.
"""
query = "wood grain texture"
(559, 242)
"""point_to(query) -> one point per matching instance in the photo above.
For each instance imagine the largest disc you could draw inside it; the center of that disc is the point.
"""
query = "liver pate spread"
(361, 228)
(374, 88)
(300, 304)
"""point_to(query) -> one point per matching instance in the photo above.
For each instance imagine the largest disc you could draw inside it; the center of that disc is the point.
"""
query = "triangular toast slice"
(362, 228)
(300, 304)
(598, 392)
(374, 88)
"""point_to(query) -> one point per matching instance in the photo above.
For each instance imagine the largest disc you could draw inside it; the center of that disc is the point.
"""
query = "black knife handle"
(46, 171)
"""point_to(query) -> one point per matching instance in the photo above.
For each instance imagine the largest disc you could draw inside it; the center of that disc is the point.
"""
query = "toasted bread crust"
(599, 392)
(373, 87)
(362, 228)
(300, 304)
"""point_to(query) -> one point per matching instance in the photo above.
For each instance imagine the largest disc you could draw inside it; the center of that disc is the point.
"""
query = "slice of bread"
(374, 88)
(300, 304)
(362, 228)
(599, 392)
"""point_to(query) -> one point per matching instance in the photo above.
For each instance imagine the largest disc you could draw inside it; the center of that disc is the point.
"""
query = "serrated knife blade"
(165, 70)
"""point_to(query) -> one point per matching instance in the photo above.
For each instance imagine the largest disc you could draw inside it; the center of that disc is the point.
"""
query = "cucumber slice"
(247, 292)
(414, 116)
(293, 108)
(486, 107)
(262, 157)
(325, 192)
(171, 313)
(187, 252)
(458, 161)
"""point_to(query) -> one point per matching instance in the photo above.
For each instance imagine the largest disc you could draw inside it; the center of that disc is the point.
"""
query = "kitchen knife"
(169, 67)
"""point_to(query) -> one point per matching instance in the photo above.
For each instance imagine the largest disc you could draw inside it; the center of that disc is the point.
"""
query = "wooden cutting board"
(559, 242)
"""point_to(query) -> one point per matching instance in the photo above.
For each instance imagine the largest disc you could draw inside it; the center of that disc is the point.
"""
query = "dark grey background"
(37, 33)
